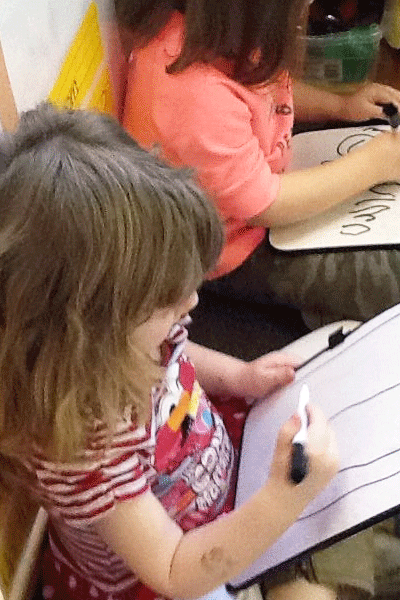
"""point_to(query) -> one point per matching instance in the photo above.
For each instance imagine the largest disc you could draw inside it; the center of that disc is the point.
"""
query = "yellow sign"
(84, 80)
(102, 98)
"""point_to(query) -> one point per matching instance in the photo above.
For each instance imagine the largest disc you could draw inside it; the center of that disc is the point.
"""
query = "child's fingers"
(321, 443)
(384, 93)
(282, 376)
(283, 448)
(278, 373)
(276, 359)
(367, 102)
(259, 378)
(321, 451)
(266, 380)
(318, 425)
(288, 431)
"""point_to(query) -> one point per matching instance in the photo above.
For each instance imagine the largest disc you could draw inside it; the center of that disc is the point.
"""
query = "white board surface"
(357, 384)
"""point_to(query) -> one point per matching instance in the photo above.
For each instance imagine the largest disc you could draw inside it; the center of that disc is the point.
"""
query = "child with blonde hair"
(103, 420)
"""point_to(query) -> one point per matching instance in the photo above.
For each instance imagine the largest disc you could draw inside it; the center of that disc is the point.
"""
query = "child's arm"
(188, 565)
(223, 375)
(315, 104)
(307, 192)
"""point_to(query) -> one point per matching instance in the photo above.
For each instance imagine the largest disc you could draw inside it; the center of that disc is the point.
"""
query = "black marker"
(391, 112)
(299, 468)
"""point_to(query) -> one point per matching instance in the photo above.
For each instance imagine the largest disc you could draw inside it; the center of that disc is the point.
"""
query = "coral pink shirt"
(237, 139)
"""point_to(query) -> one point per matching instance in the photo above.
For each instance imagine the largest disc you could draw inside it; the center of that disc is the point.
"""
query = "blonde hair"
(95, 234)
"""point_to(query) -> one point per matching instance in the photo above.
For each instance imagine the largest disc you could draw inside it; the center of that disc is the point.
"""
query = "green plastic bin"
(348, 57)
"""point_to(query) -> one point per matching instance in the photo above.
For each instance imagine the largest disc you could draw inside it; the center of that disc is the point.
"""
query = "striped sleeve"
(80, 493)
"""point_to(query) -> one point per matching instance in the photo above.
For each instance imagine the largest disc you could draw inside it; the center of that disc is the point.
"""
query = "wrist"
(379, 149)
(285, 500)
(335, 106)
(229, 380)
(314, 103)
(367, 165)
(342, 107)
(236, 378)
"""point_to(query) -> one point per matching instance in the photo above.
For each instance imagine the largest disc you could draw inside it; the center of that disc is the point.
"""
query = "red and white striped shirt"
(184, 455)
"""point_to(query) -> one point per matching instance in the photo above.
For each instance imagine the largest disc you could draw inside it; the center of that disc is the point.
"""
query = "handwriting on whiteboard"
(368, 219)
(381, 198)
(366, 210)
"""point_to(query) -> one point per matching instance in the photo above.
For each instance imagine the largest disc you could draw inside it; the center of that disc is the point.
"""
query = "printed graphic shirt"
(237, 139)
(184, 456)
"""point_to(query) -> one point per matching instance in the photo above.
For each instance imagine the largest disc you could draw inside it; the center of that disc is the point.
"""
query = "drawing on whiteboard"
(368, 208)
(367, 213)
(382, 398)
(368, 219)
(354, 140)
(357, 385)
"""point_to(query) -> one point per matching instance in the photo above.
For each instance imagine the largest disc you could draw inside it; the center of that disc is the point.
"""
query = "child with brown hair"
(213, 84)
(103, 419)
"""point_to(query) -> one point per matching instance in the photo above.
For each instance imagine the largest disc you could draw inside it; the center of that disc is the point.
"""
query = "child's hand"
(365, 103)
(261, 376)
(322, 455)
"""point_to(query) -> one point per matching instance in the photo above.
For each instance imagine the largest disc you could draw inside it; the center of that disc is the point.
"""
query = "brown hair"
(232, 29)
(95, 235)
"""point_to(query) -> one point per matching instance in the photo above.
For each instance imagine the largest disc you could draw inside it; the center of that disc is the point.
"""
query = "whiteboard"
(357, 385)
(369, 219)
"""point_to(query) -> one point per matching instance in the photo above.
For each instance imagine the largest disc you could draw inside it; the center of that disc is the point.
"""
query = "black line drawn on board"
(347, 493)
(363, 213)
(364, 464)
